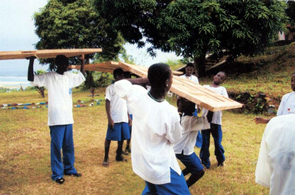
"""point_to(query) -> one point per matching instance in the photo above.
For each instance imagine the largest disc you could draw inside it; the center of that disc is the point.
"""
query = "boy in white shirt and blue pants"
(215, 123)
(60, 115)
(156, 128)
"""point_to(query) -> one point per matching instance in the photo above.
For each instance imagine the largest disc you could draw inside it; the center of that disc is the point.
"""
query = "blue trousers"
(199, 139)
(176, 186)
(191, 162)
(216, 132)
(62, 139)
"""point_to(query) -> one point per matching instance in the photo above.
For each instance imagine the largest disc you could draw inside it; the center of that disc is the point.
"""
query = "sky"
(17, 32)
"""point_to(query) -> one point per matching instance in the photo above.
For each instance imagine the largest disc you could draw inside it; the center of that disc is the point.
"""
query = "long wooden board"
(46, 53)
(191, 91)
(110, 67)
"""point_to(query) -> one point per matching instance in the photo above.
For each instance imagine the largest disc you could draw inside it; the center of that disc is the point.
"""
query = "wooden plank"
(191, 91)
(181, 86)
(90, 68)
(46, 53)
(110, 66)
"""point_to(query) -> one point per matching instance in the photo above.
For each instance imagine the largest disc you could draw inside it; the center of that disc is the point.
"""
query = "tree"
(67, 24)
(291, 12)
(192, 28)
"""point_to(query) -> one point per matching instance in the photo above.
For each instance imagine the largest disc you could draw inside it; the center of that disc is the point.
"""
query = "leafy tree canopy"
(68, 24)
(291, 12)
(192, 28)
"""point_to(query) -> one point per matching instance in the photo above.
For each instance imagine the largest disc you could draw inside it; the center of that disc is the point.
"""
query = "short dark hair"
(158, 75)
(61, 60)
(224, 74)
(118, 72)
(190, 65)
(127, 74)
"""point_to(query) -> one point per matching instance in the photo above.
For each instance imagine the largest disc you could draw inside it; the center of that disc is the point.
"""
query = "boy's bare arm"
(31, 69)
(108, 111)
(260, 120)
(129, 119)
(139, 81)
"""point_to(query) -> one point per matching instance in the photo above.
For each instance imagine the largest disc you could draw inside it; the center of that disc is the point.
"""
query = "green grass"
(25, 140)
(25, 153)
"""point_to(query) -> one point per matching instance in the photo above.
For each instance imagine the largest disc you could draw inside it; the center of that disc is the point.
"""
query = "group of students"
(159, 136)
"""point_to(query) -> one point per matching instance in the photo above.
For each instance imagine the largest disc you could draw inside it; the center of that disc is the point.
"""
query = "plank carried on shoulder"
(110, 66)
(181, 86)
(46, 53)
(191, 91)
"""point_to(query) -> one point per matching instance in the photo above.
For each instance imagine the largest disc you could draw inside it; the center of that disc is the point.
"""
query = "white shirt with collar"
(155, 129)
(287, 105)
(276, 163)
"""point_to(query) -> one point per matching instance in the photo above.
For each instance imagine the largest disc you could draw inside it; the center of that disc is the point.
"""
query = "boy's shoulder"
(47, 74)
(110, 86)
(218, 87)
(288, 94)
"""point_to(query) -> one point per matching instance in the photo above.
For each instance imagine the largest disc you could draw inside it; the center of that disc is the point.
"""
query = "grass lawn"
(25, 153)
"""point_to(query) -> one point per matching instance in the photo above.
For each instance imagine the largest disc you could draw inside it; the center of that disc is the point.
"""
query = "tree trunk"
(200, 65)
(89, 82)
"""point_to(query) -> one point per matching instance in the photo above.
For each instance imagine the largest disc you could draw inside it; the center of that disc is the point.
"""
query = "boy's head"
(189, 69)
(160, 78)
(127, 74)
(118, 74)
(62, 63)
(293, 82)
(219, 78)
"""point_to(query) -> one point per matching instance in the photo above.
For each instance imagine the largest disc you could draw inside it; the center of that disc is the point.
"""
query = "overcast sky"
(17, 32)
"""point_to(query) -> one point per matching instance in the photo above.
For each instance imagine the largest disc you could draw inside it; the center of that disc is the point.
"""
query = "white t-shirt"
(60, 104)
(118, 106)
(276, 163)
(191, 125)
(192, 78)
(155, 129)
(287, 105)
(216, 119)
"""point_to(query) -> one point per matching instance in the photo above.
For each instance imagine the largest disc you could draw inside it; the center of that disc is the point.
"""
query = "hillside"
(266, 76)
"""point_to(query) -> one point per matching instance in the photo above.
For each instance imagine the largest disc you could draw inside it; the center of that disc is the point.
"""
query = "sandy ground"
(14, 85)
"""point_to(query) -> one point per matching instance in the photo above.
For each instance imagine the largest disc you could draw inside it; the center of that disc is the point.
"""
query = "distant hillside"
(262, 79)
(269, 73)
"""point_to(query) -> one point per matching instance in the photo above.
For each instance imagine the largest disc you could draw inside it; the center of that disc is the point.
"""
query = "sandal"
(128, 150)
(106, 163)
(60, 180)
(121, 159)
